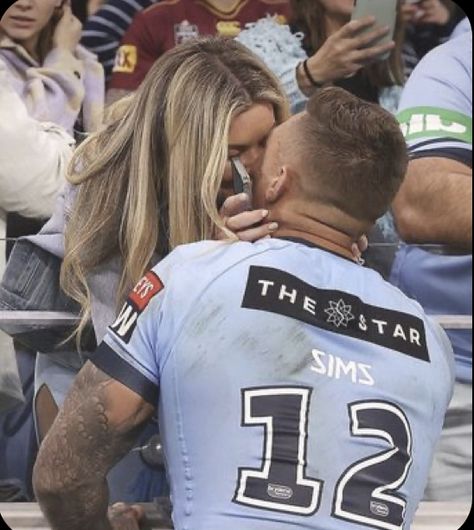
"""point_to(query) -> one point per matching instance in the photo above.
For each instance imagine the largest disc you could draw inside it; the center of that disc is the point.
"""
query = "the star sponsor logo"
(340, 313)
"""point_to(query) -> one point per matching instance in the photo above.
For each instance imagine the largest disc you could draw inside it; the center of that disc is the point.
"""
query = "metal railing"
(21, 321)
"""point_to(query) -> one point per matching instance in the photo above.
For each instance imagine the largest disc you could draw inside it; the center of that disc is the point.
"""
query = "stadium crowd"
(253, 208)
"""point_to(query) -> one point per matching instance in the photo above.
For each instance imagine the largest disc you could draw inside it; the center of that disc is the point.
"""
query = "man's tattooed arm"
(97, 426)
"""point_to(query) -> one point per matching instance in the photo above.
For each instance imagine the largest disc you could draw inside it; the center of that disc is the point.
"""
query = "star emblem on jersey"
(339, 313)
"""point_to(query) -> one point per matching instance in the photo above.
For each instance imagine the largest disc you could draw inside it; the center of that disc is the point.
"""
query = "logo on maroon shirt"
(184, 32)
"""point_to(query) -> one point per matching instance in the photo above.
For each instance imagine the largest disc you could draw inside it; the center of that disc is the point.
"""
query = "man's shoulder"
(197, 265)
(213, 254)
(455, 72)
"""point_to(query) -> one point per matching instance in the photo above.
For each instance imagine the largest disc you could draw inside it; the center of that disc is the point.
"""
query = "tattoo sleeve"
(97, 426)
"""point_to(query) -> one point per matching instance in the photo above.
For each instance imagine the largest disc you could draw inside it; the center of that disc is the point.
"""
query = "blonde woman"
(152, 179)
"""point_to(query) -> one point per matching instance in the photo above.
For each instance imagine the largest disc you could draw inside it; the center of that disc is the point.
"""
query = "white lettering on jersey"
(265, 284)
(309, 305)
(399, 332)
(143, 287)
(380, 325)
(335, 367)
(290, 294)
(125, 320)
(435, 123)
(414, 336)
(429, 123)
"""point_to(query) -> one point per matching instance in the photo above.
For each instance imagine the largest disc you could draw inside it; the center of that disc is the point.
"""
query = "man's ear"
(279, 185)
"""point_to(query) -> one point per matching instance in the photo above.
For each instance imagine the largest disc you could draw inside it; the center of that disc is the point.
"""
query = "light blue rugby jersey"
(436, 117)
(296, 389)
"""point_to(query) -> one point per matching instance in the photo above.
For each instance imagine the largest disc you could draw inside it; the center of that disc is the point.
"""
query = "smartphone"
(385, 12)
(242, 182)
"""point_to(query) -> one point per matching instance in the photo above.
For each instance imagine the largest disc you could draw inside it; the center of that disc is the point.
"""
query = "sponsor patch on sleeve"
(433, 122)
(126, 59)
(148, 287)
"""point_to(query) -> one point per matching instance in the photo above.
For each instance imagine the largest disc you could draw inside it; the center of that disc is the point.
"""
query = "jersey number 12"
(366, 493)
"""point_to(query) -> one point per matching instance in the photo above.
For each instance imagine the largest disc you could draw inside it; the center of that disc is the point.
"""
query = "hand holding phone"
(239, 217)
(385, 14)
(358, 43)
(241, 179)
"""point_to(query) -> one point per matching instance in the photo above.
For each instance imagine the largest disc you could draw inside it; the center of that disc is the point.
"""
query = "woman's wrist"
(308, 78)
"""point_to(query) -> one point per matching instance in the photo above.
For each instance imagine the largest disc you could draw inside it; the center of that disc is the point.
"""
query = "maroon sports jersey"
(170, 22)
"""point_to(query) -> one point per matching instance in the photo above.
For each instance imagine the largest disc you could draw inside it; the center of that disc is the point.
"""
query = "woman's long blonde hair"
(149, 180)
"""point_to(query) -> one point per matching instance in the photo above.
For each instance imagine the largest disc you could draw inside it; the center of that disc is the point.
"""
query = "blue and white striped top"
(103, 31)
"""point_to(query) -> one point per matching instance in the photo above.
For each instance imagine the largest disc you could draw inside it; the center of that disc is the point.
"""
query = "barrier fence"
(15, 322)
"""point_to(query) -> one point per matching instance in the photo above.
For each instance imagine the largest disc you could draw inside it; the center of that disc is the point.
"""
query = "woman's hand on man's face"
(246, 224)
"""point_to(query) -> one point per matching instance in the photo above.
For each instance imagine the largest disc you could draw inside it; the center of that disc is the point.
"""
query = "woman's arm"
(33, 157)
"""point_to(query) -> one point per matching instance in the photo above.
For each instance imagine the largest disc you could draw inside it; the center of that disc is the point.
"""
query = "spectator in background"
(323, 49)
(58, 80)
(33, 160)
(104, 30)
(322, 36)
(171, 22)
(434, 207)
(429, 23)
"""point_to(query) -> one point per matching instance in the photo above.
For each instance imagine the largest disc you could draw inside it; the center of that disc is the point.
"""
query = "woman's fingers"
(367, 39)
(121, 515)
(360, 247)
(258, 232)
(353, 27)
(245, 220)
(234, 205)
(368, 54)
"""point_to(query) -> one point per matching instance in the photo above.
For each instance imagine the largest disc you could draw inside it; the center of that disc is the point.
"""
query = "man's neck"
(322, 226)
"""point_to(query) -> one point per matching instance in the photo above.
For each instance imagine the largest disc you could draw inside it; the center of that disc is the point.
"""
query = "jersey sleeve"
(139, 342)
(137, 52)
(435, 111)
(129, 351)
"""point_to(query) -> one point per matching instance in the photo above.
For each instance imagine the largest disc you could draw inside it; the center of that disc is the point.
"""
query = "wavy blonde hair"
(149, 180)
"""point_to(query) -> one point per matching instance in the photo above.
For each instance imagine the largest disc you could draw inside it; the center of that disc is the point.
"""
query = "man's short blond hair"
(353, 154)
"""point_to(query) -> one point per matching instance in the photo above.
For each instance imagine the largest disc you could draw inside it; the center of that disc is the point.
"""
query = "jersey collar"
(324, 237)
